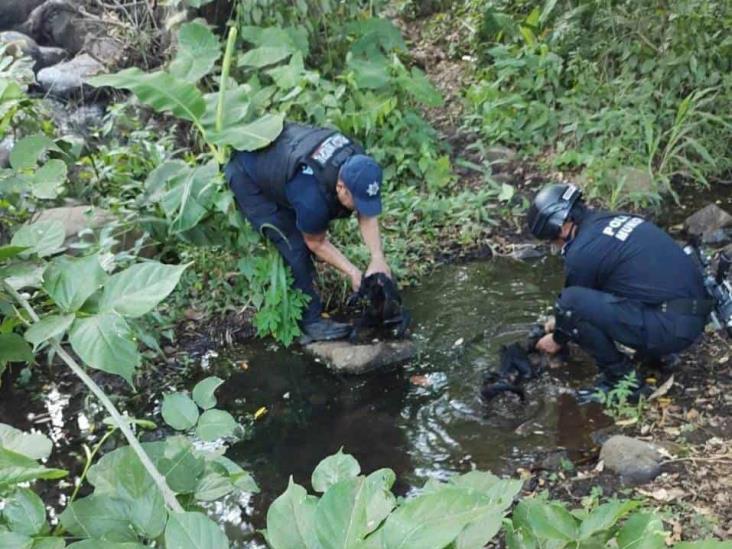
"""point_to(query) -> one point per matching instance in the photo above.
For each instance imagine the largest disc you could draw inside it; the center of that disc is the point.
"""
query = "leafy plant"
(622, 401)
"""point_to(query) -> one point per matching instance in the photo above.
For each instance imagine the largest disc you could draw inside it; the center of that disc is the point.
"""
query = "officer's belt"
(691, 307)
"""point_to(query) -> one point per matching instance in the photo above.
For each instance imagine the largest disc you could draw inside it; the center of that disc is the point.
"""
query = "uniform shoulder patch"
(327, 148)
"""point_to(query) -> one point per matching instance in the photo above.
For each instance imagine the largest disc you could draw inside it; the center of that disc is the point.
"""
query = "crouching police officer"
(293, 188)
(626, 281)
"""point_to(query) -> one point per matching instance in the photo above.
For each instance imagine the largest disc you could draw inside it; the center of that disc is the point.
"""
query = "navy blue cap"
(362, 177)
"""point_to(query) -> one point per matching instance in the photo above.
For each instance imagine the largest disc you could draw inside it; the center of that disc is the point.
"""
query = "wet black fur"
(380, 306)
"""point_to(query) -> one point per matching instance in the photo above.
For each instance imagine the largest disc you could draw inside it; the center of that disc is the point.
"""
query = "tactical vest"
(323, 150)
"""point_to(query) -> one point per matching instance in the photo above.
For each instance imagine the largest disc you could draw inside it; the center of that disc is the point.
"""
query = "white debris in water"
(458, 342)
(55, 404)
(216, 446)
(83, 422)
(206, 359)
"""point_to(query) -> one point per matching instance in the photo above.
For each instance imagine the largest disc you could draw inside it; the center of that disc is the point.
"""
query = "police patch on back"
(329, 147)
(621, 226)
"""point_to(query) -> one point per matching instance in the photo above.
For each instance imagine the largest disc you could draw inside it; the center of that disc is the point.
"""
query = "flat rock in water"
(65, 79)
(348, 358)
(708, 222)
(634, 460)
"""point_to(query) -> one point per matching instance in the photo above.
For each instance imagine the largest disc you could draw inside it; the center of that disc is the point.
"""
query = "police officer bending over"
(299, 183)
(626, 281)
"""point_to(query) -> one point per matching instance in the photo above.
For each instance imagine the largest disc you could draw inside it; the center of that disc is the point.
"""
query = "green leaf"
(480, 531)
(31, 445)
(104, 341)
(101, 517)
(421, 88)
(98, 544)
(158, 178)
(194, 531)
(198, 51)
(14, 348)
(294, 37)
(642, 531)
(179, 411)
(190, 196)
(25, 274)
(47, 328)
(24, 512)
(70, 281)
(215, 424)
(236, 107)
(14, 540)
(265, 56)
(49, 179)
(604, 517)
(10, 251)
(370, 74)
(16, 468)
(550, 521)
(41, 238)
(48, 543)
(434, 520)
(203, 392)
(704, 544)
(252, 136)
(160, 90)
(291, 519)
(138, 289)
(28, 150)
(334, 469)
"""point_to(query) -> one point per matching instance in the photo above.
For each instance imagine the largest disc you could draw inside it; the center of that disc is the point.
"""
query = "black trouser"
(596, 320)
(260, 210)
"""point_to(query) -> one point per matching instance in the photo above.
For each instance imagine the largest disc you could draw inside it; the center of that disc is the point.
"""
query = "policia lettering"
(621, 226)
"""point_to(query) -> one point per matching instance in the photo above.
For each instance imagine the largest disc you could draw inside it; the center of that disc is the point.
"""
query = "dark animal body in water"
(516, 367)
(380, 306)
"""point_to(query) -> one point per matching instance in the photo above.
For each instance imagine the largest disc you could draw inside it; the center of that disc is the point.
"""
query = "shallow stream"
(423, 420)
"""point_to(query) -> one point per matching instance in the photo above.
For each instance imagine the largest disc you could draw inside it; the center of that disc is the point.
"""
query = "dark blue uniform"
(308, 212)
(622, 271)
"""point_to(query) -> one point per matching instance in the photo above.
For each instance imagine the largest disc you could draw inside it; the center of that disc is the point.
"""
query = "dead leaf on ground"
(663, 389)
(420, 381)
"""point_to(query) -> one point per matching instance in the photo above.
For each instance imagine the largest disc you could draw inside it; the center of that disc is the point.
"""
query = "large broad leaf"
(203, 392)
(15, 540)
(10, 251)
(420, 87)
(294, 37)
(549, 521)
(198, 51)
(190, 196)
(333, 470)
(434, 520)
(24, 512)
(156, 181)
(16, 468)
(237, 106)
(31, 445)
(179, 411)
(48, 328)
(48, 180)
(70, 282)
(252, 136)
(604, 517)
(27, 151)
(642, 531)
(194, 531)
(291, 520)
(105, 342)
(14, 348)
(101, 517)
(24, 274)
(160, 90)
(266, 55)
(42, 238)
(99, 544)
(215, 424)
(480, 531)
(371, 73)
(49, 543)
(138, 289)
(492, 489)
(353, 508)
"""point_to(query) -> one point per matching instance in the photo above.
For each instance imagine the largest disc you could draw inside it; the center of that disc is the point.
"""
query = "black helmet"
(551, 209)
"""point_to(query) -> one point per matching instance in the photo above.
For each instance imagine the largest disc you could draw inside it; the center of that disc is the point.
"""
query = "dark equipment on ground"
(717, 283)
(516, 367)
(380, 306)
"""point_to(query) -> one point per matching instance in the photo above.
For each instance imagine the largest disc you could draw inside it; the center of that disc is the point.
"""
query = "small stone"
(14, 12)
(707, 222)
(49, 56)
(634, 460)
(344, 357)
(67, 78)
(499, 154)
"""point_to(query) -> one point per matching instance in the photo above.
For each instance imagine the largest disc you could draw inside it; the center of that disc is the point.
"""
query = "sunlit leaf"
(203, 392)
(198, 51)
(24, 512)
(334, 469)
(189, 196)
(31, 445)
(15, 540)
(27, 151)
(48, 180)
(194, 531)
(16, 468)
(25, 274)
(138, 289)
(265, 55)
(70, 281)
(215, 424)
(291, 519)
(47, 328)
(41, 238)
(642, 531)
(101, 517)
(252, 136)
(179, 411)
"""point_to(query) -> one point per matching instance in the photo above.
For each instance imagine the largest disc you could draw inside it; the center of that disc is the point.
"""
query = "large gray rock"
(14, 12)
(708, 223)
(348, 358)
(76, 218)
(634, 460)
(67, 78)
(18, 44)
(58, 23)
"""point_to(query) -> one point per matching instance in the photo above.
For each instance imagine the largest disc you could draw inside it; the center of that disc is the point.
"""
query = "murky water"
(462, 314)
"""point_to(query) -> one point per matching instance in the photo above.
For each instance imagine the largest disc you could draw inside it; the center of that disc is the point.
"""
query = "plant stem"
(225, 66)
(120, 423)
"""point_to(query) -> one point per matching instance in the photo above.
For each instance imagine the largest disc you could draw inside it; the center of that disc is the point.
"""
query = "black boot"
(324, 329)
(608, 379)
